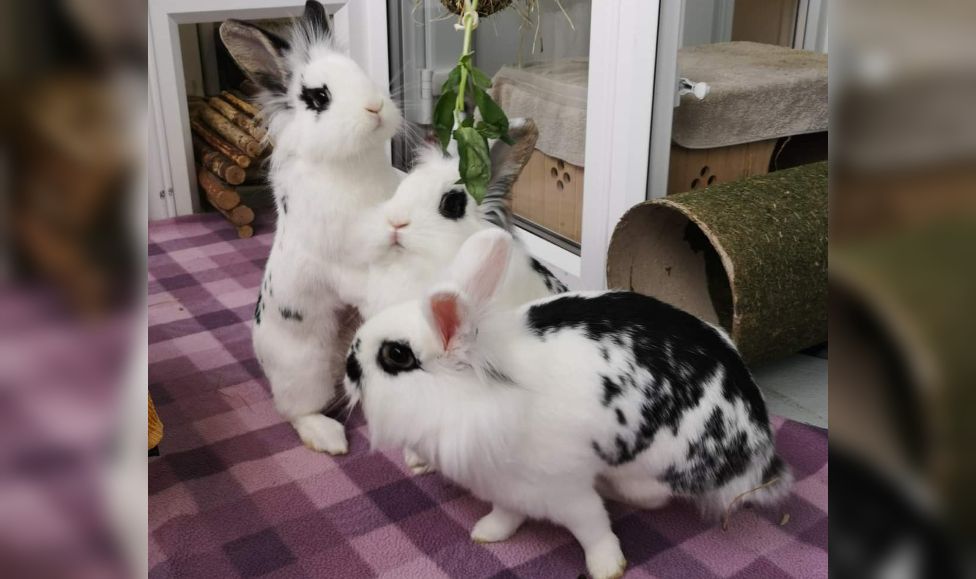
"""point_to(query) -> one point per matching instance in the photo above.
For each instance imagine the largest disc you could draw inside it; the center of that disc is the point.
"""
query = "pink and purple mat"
(234, 492)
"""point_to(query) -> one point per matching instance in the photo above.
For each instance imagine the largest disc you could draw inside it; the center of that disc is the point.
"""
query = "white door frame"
(620, 97)
(368, 46)
(623, 48)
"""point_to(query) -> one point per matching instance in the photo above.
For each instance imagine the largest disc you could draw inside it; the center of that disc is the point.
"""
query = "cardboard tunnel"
(750, 256)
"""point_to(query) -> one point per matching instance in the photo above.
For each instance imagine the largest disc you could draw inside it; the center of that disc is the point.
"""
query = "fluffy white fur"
(327, 169)
(410, 245)
(519, 436)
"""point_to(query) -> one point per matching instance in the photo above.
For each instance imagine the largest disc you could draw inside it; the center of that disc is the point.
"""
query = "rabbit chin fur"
(328, 167)
(428, 241)
(546, 409)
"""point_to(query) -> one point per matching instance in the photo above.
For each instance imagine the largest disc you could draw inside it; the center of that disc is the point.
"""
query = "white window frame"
(620, 94)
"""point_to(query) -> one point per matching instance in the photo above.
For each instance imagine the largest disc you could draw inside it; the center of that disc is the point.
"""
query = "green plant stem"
(471, 6)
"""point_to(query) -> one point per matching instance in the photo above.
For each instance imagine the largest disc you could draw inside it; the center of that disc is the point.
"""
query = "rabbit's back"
(664, 392)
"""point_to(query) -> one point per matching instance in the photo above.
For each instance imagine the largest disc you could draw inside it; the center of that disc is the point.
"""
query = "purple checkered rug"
(234, 493)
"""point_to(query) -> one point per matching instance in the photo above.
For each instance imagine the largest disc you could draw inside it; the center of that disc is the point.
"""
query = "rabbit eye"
(316, 99)
(453, 204)
(396, 357)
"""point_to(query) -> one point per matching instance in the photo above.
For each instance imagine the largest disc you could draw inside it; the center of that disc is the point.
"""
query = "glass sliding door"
(543, 57)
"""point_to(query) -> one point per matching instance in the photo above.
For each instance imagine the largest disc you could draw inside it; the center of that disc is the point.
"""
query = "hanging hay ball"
(750, 256)
(485, 7)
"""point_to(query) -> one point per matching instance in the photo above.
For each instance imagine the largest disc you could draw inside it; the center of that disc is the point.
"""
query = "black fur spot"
(453, 204)
(316, 17)
(258, 310)
(396, 357)
(610, 390)
(316, 99)
(621, 419)
(290, 314)
(552, 282)
(284, 204)
(353, 370)
(712, 460)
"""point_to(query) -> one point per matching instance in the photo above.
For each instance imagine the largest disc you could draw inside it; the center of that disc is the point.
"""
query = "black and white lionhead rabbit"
(411, 240)
(330, 124)
(546, 409)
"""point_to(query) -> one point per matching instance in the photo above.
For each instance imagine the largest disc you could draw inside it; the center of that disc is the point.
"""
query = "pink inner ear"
(444, 308)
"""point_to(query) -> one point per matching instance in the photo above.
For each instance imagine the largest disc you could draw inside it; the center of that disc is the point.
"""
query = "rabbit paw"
(416, 463)
(605, 560)
(496, 526)
(322, 434)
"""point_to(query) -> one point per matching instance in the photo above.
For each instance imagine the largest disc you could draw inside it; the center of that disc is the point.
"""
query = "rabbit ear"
(259, 53)
(445, 311)
(315, 18)
(481, 263)
(507, 162)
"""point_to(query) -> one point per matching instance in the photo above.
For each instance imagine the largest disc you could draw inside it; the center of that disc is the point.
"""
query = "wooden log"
(245, 231)
(240, 215)
(218, 193)
(241, 103)
(229, 131)
(214, 140)
(240, 119)
(218, 163)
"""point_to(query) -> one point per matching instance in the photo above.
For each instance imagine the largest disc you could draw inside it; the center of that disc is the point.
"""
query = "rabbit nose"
(375, 108)
(399, 224)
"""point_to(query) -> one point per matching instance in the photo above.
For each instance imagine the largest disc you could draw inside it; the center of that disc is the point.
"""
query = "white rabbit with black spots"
(411, 240)
(330, 125)
(548, 409)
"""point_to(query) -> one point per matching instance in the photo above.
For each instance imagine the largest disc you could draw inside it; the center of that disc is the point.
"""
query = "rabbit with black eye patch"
(549, 408)
(413, 238)
(330, 125)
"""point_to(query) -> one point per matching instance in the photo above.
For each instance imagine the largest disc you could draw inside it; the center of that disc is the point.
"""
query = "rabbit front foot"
(416, 463)
(605, 560)
(321, 434)
(498, 525)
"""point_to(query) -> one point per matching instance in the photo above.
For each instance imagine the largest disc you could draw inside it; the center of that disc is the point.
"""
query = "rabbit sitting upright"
(330, 125)
(546, 409)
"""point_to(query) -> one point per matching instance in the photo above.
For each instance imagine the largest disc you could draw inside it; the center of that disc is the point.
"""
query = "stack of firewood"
(228, 142)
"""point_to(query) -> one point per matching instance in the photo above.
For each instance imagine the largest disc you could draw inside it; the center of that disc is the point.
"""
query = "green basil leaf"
(453, 80)
(475, 162)
(487, 131)
(444, 117)
(479, 78)
(467, 121)
(492, 114)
